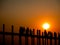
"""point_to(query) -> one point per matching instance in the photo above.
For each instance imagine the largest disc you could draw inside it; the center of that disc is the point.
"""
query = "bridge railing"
(41, 39)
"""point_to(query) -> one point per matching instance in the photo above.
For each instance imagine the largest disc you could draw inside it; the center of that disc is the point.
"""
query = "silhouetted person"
(22, 30)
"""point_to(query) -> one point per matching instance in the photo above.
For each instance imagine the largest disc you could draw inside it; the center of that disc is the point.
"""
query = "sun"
(46, 26)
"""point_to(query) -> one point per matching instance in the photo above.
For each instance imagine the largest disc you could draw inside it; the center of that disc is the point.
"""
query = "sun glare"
(46, 26)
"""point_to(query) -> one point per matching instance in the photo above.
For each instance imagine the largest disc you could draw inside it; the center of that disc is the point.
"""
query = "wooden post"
(21, 32)
(42, 39)
(38, 37)
(45, 35)
(12, 40)
(58, 38)
(26, 37)
(31, 35)
(3, 34)
(31, 32)
(47, 40)
(55, 36)
(33, 38)
(50, 35)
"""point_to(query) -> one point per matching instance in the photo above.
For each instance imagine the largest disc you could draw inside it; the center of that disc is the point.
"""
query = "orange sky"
(32, 14)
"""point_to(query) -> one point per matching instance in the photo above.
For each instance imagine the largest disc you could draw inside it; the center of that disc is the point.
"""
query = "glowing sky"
(30, 13)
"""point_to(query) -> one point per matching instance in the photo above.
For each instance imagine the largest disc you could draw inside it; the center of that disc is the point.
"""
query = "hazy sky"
(30, 13)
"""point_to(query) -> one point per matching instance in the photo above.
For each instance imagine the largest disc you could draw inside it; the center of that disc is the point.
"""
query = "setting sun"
(46, 26)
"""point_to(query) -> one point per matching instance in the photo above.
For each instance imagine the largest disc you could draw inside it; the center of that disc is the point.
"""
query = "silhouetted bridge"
(42, 39)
